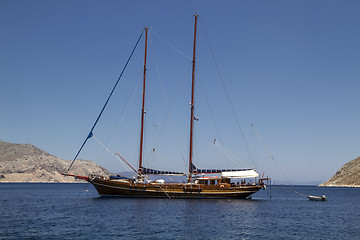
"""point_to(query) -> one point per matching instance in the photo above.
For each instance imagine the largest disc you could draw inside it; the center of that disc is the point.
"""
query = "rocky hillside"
(347, 176)
(27, 163)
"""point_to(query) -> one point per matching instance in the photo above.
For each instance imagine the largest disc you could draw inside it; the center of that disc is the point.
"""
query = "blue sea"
(67, 211)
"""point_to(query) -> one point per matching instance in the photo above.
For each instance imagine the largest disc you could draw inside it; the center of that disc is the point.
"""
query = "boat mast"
(143, 106)
(192, 104)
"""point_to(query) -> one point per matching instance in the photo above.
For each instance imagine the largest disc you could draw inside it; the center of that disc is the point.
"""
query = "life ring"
(222, 185)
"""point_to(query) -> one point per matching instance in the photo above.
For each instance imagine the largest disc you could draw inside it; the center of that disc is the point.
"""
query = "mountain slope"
(27, 163)
(347, 176)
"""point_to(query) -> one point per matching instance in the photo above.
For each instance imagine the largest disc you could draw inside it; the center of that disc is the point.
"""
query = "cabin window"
(225, 180)
(209, 181)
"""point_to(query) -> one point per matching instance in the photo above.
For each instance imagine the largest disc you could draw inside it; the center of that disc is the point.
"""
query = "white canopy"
(240, 174)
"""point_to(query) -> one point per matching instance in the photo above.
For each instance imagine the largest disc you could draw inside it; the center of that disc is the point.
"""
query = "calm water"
(65, 211)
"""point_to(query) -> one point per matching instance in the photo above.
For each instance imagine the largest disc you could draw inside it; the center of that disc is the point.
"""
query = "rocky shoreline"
(335, 185)
(26, 163)
(347, 176)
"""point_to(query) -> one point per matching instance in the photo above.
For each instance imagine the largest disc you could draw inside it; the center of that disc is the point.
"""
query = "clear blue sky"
(293, 65)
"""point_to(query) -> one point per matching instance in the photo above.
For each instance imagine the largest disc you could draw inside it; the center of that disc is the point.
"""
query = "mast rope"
(268, 152)
(226, 152)
(171, 46)
(210, 109)
(170, 111)
(227, 93)
(158, 72)
(102, 110)
(204, 155)
(122, 116)
(112, 154)
(229, 155)
(164, 191)
(300, 194)
(277, 165)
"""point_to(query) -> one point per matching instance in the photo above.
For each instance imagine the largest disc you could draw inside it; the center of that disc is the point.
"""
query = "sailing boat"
(197, 185)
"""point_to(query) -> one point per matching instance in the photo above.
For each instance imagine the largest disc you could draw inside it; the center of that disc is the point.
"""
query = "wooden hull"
(111, 188)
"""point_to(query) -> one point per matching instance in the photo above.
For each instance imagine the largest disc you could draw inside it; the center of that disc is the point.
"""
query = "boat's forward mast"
(143, 106)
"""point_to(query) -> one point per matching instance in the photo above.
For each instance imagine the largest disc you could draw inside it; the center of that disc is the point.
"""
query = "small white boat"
(316, 198)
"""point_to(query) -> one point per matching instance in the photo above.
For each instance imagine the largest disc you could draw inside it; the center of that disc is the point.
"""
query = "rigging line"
(268, 152)
(158, 72)
(108, 150)
(195, 146)
(227, 92)
(277, 165)
(230, 155)
(219, 72)
(300, 194)
(184, 160)
(171, 46)
(254, 147)
(122, 116)
(210, 109)
(84, 189)
(177, 182)
(102, 110)
(219, 146)
(164, 192)
(127, 163)
(111, 153)
(170, 110)
(205, 154)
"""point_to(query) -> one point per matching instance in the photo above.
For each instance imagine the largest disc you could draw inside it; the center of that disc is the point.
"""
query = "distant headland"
(27, 163)
(347, 176)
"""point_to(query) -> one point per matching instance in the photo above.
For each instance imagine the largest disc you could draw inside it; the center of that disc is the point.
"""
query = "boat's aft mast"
(192, 104)
(143, 106)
